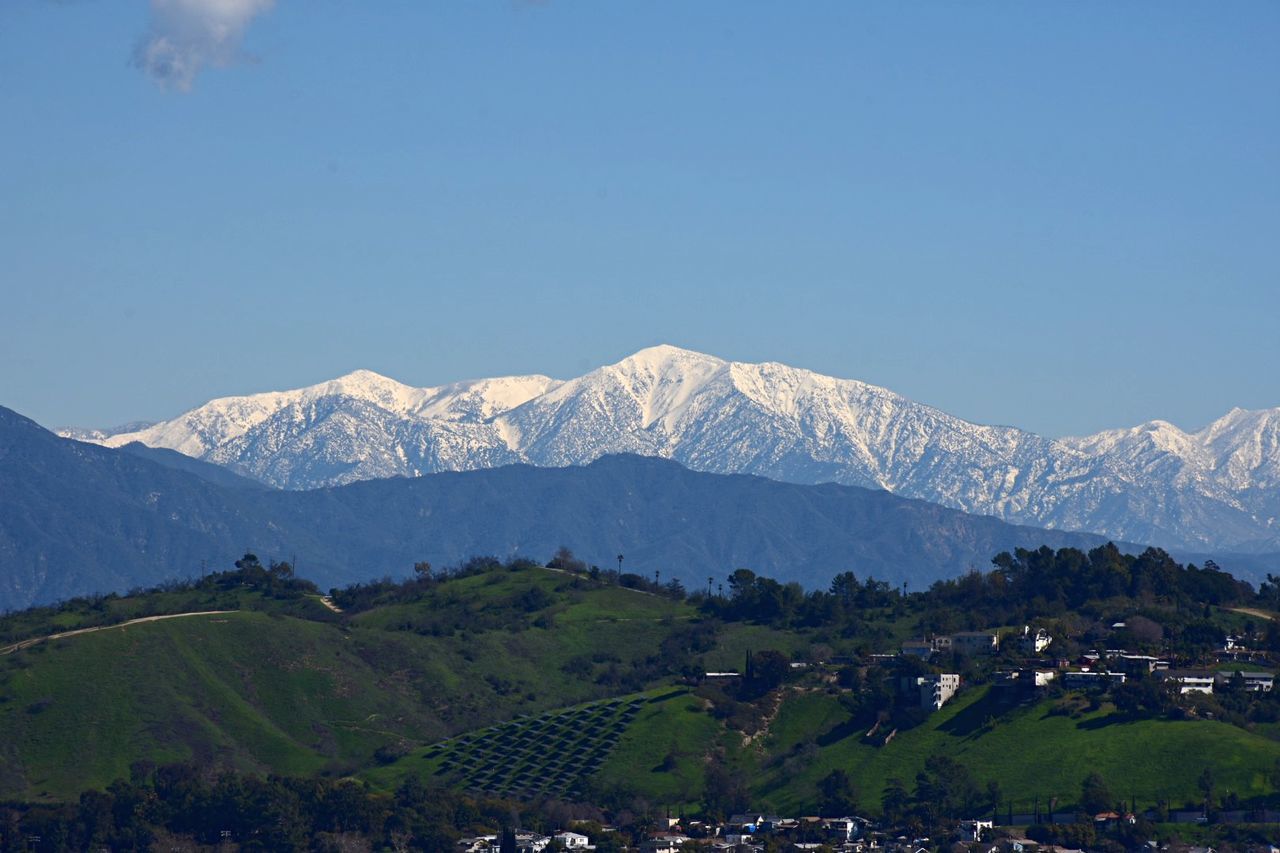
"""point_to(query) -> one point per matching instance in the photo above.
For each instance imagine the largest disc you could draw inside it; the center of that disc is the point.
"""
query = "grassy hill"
(532, 682)
(268, 689)
(1030, 751)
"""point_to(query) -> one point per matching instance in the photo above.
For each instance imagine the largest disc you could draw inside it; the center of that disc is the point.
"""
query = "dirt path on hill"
(328, 602)
(1249, 611)
(63, 634)
(615, 586)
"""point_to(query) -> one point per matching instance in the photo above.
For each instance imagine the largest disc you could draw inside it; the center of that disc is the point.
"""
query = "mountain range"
(1211, 489)
(79, 518)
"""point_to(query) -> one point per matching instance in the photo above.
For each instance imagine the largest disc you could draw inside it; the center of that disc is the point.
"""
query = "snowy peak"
(664, 359)
(662, 380)
(1244, 447)
(364, 385)
(483, 399)
(1154, 482)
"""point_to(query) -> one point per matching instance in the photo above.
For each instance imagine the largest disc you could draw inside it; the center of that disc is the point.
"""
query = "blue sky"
(1060, 216)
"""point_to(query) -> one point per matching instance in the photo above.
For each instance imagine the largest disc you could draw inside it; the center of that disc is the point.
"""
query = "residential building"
(1254, 682)
(1035, 642)
(975, 642)
(918, 648)
(1190, 680)
(572, 840)
(935, 690)
(1099, 679)
(974, 830)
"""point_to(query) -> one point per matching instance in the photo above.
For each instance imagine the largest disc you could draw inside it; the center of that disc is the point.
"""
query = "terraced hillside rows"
(550, 755)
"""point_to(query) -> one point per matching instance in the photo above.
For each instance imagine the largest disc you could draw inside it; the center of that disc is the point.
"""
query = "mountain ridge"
(78, 518)
(1152, 483)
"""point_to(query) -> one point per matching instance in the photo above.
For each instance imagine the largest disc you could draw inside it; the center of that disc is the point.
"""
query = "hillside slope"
(530, 681)
(264, 691)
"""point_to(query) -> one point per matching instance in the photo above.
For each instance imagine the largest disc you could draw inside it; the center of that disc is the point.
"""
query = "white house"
(1097, 678)
(935, 690)
(1033, 643)
(572, 840)
(972, 830)
(842, 828)
(1190, 680)
(665, 842)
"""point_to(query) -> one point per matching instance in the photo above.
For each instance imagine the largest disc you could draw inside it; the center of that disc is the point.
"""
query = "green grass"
(662, 754)
(292, 688)
(115, 609)
(269, 692)
(1033, 754)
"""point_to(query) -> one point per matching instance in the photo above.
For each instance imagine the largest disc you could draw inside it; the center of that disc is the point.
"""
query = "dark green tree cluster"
(945, 792)
(176, 806)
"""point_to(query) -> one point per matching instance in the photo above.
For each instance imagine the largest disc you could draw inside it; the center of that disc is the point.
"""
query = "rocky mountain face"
(1216, 488)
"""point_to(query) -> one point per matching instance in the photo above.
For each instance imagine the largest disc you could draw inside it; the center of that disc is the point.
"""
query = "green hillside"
(258, 689)
(530, 682)
(1033, 754)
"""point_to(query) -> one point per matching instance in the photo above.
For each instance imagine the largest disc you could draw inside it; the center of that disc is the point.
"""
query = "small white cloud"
(187, 36)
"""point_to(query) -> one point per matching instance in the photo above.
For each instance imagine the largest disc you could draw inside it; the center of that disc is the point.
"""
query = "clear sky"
(1064, 216)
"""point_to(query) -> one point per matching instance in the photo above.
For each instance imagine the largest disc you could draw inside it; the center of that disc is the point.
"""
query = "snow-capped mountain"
(1216, 488)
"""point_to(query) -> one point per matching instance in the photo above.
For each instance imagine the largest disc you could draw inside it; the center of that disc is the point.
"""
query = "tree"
(1205, 783)
(768, 669)
(508, 842)
(1095, 796)
(741, 581)
(723, 793)
(994, 796)
(947, 788)
(839, 797)
(894, 801)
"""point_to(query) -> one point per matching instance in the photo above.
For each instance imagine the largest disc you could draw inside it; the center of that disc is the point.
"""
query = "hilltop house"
(1033, 643)
(1025, 679)
(1254, 682)
(573, 841)
(1190, 680)
(975, 642)
(973, 830)
(935, 690)
(842, 829)
(918, 648)
(665, 842)
(1098, 678)
(965, 643)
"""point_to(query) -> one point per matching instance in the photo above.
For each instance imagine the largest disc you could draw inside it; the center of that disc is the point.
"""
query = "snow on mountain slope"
(1154, 482)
